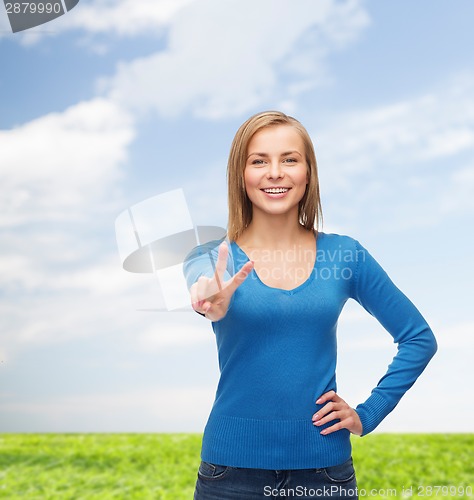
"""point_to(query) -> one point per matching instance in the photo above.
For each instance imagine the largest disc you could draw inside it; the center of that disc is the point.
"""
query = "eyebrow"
(265, 155)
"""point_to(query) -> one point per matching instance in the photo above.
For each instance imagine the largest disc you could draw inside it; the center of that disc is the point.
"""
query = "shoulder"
(334, 241)
(201, 261)
(340, 249)
(210, 247)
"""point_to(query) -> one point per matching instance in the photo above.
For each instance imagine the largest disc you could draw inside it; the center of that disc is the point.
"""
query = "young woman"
(278, 427)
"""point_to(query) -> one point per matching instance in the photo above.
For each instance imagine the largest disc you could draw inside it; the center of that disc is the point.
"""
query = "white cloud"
(402, 164)
(164, 409)
(43, 305)
(57, 165)
(418, 410)
(401, 135)
(456, 336)
(186, 332)
(125, 18)
(58, 182)
(53, 315)
(4, 24)
(458, 196)
(226, 58)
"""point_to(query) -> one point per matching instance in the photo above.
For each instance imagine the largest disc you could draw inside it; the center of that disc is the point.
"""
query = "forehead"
(276, 138)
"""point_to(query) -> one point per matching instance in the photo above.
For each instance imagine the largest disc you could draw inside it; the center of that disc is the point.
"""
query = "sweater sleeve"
(201, 261)
(378, 295)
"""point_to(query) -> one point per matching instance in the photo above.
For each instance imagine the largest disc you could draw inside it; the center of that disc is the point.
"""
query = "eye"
(290, 160)
(257, 162)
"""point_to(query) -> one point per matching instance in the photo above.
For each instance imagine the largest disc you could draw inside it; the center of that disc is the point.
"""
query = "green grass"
(164, 466)
(401, 461)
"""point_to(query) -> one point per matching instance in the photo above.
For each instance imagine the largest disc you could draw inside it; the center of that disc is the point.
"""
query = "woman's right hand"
(211, 296)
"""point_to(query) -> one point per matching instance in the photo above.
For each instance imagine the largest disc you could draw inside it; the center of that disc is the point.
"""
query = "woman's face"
(276, 173)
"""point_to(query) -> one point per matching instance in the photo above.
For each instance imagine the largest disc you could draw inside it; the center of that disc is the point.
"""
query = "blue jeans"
(220, 482)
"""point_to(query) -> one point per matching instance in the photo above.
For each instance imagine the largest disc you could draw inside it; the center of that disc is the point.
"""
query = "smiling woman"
(256, 140)
(278, 422)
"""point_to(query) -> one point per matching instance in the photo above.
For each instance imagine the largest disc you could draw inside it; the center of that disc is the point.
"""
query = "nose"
(274, 170)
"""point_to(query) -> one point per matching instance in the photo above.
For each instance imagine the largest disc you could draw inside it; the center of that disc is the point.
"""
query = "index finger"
(328, 396)
(220, 267)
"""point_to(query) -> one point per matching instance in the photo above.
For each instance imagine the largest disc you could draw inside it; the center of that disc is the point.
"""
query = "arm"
(379, 296)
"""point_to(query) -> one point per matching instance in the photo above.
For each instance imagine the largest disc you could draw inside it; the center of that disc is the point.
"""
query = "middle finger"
(328, 407)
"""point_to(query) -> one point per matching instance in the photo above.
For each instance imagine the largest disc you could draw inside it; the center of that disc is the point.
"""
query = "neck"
(275, 231)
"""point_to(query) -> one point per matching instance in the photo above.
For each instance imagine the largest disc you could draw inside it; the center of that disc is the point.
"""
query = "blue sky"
(118, 101)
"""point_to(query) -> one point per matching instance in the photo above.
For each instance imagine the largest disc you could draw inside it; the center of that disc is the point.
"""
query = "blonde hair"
(240, 207)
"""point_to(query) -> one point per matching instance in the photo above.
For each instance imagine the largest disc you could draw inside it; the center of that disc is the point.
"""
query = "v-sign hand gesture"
(211, 296)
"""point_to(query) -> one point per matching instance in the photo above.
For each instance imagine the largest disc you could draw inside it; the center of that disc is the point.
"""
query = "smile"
(276, 190)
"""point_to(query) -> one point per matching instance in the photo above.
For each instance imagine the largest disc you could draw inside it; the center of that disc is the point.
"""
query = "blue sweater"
(277, 355)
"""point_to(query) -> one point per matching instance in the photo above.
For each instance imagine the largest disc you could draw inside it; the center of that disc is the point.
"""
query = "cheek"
(303, 177)
(250, 179)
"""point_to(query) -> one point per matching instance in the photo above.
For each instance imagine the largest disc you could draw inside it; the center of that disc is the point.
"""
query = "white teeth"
(276, 190)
